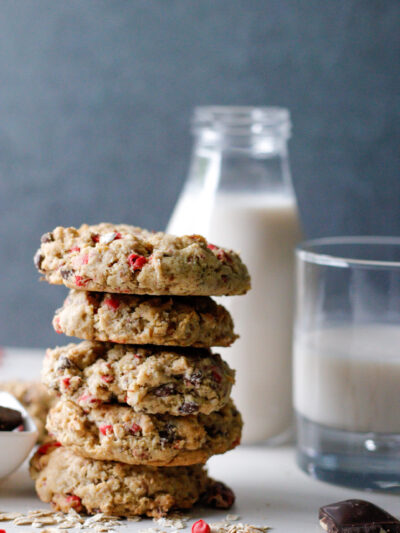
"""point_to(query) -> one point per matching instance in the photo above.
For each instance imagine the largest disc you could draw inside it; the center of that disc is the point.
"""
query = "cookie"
(70, 481)
(126, 259)
(35, 398)
(128, 319)
(117, 433)
(151, 379)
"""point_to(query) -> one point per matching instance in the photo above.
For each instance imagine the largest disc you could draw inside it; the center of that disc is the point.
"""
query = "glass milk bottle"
(239, 195)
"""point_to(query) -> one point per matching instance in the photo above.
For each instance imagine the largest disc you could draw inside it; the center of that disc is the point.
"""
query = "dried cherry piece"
(80, 281)
(137, 262)
(106, 429)
(224, 257)
(75, 502)
(112, 302)
(57, 326)
(216, 374)
(135, 429)
(88, 398)
(46, 447)
(73, 498)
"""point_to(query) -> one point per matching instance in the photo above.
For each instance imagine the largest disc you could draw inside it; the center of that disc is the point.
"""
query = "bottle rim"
(242, 120)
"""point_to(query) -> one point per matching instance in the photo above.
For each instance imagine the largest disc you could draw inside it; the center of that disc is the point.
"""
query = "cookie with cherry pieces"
(127, 259)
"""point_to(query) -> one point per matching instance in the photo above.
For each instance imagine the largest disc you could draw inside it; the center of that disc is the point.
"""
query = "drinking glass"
(347, 361)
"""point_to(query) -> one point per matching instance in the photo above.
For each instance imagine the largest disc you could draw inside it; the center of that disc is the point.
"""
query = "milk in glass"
(348, 378)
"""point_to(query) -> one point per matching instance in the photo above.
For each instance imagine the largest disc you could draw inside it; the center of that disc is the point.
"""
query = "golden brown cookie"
(115, 432)
(151, 379)
(70, 481)
(126, 259)
(129, 319)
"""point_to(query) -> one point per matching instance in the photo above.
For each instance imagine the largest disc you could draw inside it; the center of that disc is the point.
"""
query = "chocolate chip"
(9, 419)
(94, 298)
(64, 363)
(47, 237)
(38, 260)
(196, 377)
(164, 390)
(214, 431)
(218, 496)
(167, 435)
(187, 408)
(65, 274)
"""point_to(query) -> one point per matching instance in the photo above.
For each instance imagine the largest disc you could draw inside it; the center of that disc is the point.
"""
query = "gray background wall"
(95, 100)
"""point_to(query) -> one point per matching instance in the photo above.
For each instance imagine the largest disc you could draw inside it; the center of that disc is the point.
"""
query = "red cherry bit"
(136, 262)
(112, 302)
(85, 259)
(135, 428)
(106, 429)
(200, 527)
(45, 447)
(57, 326)
(216, 374)
(80, 281)
(73, 498)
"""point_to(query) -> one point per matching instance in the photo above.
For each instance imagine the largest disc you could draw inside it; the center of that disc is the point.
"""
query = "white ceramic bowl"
(15, 446)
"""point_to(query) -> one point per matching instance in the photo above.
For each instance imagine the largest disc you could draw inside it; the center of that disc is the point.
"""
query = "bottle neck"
(241, 150)
(252, 129)
(253, 144)
(258, 165)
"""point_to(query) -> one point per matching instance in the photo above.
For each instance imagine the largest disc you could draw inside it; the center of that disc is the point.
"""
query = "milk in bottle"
(239, 196)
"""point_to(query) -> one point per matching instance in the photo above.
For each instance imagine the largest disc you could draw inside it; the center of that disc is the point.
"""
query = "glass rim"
(242, 120)
(306, 251)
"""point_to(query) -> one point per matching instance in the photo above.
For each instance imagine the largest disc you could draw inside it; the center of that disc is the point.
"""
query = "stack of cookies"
(143, 402)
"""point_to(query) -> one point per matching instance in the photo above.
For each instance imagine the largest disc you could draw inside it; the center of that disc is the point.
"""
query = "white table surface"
(270, 489)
